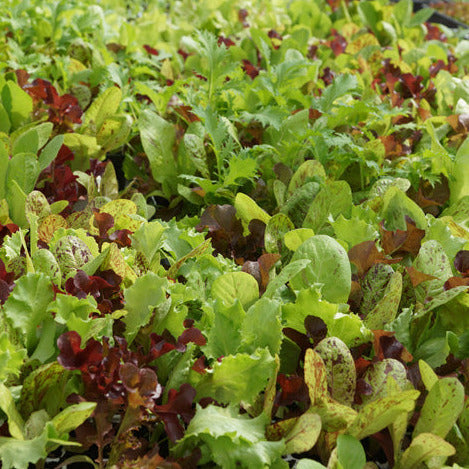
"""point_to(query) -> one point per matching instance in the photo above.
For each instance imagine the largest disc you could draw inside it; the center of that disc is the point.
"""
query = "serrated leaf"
(18, 454)
(237, 378)
(240, 168)
(26, 306)
(141, 298)
(231, 439)
(11, 357)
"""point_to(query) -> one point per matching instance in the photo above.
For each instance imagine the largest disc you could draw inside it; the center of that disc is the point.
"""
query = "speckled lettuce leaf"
(340, 369)
(72, 254)
(277, 227)
(307, 171)
(380, 413)
(396, 206)
(315, 377)
(300, 433)
(422, 448)
(442, 407)
(432, 260)
(374, 285)
(387, 307)
(329, 267)
(334, 199)
(45, 262)
(378, 374)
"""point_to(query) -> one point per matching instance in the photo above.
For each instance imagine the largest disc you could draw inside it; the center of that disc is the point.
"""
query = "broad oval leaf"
(234, 286)
(329, 266)
(378, 374)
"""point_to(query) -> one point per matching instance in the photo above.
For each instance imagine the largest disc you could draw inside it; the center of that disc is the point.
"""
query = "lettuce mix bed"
(233, 234)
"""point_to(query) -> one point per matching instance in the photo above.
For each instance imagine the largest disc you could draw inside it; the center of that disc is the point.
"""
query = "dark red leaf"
(316, 329)
(293, 389)
(192, 334)
(225, 40)
(454, 282)
(461, 262)
(104, 221)
(180, 406)
(200, 366)
(400, 241)
(72, 357)
(251, 70)
(121, 238)
(150, 50)
(365, 255)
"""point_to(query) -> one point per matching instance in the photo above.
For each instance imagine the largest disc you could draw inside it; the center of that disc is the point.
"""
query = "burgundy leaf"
(180, 405)
(316, 329)
(104, 221)
(293, 389)
(461, 262)
(72, 357)
(251, 70)
(150, 50)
